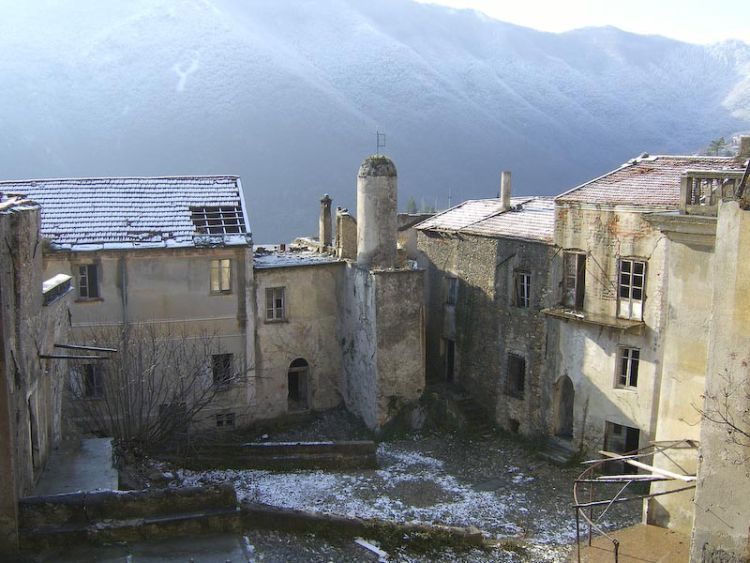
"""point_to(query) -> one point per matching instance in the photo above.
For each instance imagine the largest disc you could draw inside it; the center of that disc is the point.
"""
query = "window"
(523, 289)
(218, 220)
(516, 376)
(630, 292)
(93, 382)
(88, 282)
(225, 420)
(574, 279)
(452, 295)
(275, 304)
(627, 367)
(221, 276)
(222, 368)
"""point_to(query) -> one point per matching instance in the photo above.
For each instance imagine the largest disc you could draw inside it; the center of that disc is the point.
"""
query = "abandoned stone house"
(625, 332)
(295, 330)
(33, 325)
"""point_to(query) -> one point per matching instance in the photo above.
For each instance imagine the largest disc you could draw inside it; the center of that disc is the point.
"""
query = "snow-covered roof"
(529, 218)
(84, 214)
(645, 180)
(271, 256)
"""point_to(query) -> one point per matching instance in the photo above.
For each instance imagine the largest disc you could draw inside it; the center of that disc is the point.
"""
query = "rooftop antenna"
(380, 142)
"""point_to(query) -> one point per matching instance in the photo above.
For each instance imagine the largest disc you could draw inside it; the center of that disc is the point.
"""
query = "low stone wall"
(281, 456)
(389, 533)
(126, 515)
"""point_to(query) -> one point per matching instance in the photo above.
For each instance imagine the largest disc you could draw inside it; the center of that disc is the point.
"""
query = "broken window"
(222, 368)
(218, 220)
(88, 281)
(452, 295)
(627, 367)
(620, 439)
(225, 420)
(516, 376)
(574, 279)
(523, 289)
(631, 285)
(275, 310)
(221, 276)
(93, 382)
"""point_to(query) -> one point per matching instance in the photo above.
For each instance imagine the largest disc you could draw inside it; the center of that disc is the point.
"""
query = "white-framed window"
(522, 283)
(88, 281)
(221, 275)
(452, 294)
(628, 360)
(631, 285)
(574, 279)
(93, 382)
(516, 383)
(221, 365)
(225, 420)
(275, 304)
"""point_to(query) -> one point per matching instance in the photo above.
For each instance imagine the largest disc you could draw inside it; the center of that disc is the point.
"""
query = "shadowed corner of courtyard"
(487, 482)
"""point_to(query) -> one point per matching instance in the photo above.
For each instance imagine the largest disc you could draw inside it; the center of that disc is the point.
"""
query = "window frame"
(220, 278)
(628, 358)
(275, 312)
(522, 289)
(573, 296)
(630, 306)
(92, 381)
(222, 374)
(512, 387)
(225, 420)
(88, 291)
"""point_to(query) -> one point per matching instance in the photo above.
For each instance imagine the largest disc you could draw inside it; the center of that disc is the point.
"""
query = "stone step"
(558, 451)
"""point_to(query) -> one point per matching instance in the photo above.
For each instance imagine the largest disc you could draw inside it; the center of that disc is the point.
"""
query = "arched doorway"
(565, 394)
(298, 385)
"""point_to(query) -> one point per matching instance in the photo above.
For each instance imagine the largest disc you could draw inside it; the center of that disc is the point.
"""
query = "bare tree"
(729, 408)
(154, 386)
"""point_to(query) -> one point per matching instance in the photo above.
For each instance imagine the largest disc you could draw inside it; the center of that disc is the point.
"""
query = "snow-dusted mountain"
(289, 94)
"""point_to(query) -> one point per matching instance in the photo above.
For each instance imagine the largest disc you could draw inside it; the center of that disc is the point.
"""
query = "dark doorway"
(297, 384)
(565, 402)
(621, 439)
(450, 360)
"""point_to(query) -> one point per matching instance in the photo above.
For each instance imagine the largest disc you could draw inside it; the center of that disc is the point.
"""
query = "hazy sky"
(694, 21)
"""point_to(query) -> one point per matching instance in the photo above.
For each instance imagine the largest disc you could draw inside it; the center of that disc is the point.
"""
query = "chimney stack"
(505, 190)
(325, 225)
(744, 146)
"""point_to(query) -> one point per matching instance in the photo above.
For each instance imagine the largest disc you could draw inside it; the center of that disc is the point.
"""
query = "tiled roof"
(114, 213)
(646, 180)
(530, 218)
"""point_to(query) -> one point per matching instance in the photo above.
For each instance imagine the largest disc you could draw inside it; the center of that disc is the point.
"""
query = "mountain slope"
(289, 94)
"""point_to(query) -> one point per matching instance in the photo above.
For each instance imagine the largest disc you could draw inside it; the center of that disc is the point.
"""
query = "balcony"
(702, 190)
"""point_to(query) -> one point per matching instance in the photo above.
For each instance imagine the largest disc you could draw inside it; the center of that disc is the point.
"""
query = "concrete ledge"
(282, 456)
(426, 536)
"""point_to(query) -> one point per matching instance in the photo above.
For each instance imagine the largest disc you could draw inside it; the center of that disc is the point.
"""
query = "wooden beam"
(65, 357)
(82, 347)
(640, 465)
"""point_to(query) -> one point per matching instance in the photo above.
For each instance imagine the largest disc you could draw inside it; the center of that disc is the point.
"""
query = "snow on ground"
(492, 485)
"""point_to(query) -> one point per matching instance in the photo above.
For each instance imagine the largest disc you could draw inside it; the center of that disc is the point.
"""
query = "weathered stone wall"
(400, 340)
(310, 331)
(486, 324)
(722, 496)
(587, 352)
(170, 289)
(346, 235)
(359, 384)
(30, 386)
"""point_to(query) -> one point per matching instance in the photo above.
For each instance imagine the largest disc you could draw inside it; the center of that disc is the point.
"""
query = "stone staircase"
(558, 450)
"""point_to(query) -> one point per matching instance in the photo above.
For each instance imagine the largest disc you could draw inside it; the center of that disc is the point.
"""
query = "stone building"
(488, 266)
(33, 321)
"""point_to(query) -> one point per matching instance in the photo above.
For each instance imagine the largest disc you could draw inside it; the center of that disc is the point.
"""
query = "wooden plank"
(641, 465)
(82, 347)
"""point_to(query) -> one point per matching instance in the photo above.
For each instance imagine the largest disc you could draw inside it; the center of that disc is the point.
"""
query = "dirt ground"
(493, 482)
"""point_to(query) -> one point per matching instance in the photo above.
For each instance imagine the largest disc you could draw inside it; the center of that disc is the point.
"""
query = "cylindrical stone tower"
(325, 224)
(376, 213)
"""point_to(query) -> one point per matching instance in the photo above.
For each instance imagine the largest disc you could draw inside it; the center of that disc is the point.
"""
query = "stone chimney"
(744, 146)
(325, 226)
(505, 190)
